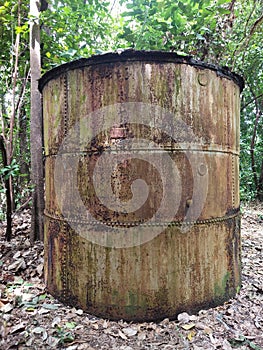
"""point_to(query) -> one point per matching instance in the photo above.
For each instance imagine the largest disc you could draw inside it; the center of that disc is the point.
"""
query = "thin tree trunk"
(36, 136)
(260, 184)
(23, 147)
(252, 151)
(253, 140)
(8, 232)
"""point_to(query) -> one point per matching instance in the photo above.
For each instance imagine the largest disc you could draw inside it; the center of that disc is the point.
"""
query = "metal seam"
(65, 88)
(87, 153)
(233, 181)
(64, 235)
(147, 224)
(64, 262)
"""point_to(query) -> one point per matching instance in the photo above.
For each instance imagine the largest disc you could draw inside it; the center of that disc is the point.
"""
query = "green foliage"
(10, 170)
(81, 29)
(64, 335)
(182, 26)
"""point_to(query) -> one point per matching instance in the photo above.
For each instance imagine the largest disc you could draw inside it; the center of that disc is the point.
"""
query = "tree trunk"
(260, 184)
(8, 232)
(36, 135)
(24, 149)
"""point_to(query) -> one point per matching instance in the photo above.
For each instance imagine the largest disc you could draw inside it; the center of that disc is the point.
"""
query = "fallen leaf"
(130, 332)
(193, 318)
(70, 325)
(18, 327)
(52, 342)
(226, 345)
(200, 325)
(17, 255)
(50, 306)
(27, 296)
(105, 324)
(121, 335)
(188, 326)
(5, 308)
(208, 330)
(190, 335)
(42, 296)
(142, 336)
(165, 321)
(42, 311)
(17, 265)
(38, 330)
(79, 312)
(40, 269)
(183, 317)
(56, 321)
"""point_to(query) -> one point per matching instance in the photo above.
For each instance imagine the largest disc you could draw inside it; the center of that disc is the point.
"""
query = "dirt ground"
(31, 318)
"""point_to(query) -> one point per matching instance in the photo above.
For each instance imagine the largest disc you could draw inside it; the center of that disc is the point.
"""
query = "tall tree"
(36, 129)
(13, 84)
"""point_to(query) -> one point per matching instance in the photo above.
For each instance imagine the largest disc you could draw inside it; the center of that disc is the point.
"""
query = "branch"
(13, 113)
(253, 139)
(248, 103)
(252, 31)
(23, 206)
(245, 37)
(247, 21)
(255, 25)
(22, 94)
(3, 124)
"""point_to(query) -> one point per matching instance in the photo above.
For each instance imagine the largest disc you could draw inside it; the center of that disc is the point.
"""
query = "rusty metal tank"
(142, 215)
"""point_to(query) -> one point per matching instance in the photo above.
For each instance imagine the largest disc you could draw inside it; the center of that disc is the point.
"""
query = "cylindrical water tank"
(142, 184)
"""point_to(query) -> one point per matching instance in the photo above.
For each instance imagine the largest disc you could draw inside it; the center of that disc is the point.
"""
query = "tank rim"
(131, 55)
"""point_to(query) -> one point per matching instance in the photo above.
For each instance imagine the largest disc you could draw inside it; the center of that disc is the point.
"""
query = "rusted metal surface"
(175, 271)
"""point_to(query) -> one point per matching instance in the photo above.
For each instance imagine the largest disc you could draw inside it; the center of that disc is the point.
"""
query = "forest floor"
(31, 318)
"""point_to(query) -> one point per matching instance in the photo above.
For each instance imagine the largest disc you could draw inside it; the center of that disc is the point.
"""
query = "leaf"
(183, 317)
(129, 331)
(40, 269)
(42, 296)
(200, 37)
(226, 345)
(67, 338)
(5, 308)
(222, 2)
(56, 321)
(38, 330)
(190, 335)
(42, 311)
(121, 335)
(188, 326)
(208, 330)
(223, 11)
(30, 308)
(52, 342)
(50, 306)
(70, 325)
(79, 312)
(105, 324)
(18, 327)
(18, 264)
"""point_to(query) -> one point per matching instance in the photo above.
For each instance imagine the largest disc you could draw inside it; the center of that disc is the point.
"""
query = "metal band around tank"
(152, 224)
